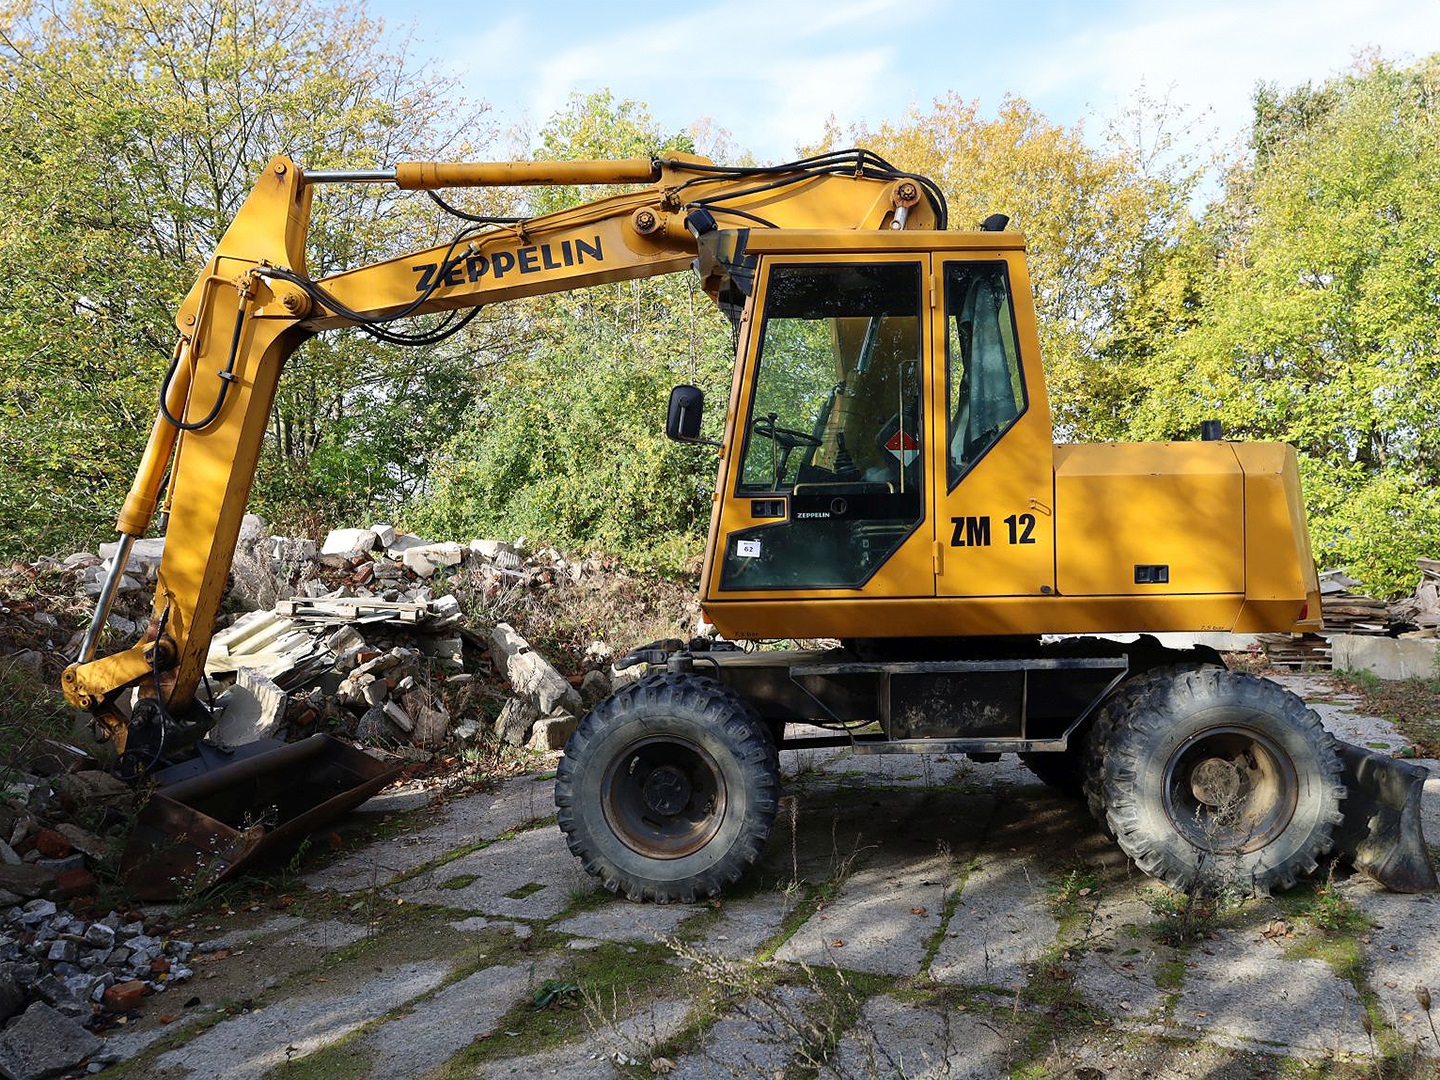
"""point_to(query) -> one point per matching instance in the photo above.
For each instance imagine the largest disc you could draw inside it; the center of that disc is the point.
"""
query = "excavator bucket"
(1381, 833)
(213, 815)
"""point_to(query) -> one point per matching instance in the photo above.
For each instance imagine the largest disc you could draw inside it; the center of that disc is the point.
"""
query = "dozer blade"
(1381, 834)
(213, 815)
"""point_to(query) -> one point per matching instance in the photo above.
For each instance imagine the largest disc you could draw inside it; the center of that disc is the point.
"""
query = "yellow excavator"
(887, 478)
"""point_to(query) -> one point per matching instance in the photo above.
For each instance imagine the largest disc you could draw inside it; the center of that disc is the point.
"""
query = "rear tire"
(1218, 781)
(1063, 770)
(668, 790)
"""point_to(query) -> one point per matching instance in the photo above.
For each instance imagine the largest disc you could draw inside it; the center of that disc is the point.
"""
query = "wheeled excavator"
(887, 478)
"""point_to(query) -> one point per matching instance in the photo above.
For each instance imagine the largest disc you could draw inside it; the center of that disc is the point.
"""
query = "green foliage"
(132, 130)
(569, 445)
(565, 439)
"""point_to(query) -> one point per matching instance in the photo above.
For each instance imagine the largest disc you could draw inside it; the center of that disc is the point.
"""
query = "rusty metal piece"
(1381, 834)
(205, 823)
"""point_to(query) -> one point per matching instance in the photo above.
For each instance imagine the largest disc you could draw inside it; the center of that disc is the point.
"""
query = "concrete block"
(384, 533)
(425, 559)
(515, 721)
(344, 541)
(255, 710)
(532, 676)
(1386, 657)
(145, 555)
(552, 733)
(402, 543)
(489, 549)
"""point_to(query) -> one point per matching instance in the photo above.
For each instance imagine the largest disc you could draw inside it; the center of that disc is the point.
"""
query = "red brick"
(70, 883)
(125, 997)
(52, 844)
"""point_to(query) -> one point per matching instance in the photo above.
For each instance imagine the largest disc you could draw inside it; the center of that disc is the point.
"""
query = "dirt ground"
(912, 916)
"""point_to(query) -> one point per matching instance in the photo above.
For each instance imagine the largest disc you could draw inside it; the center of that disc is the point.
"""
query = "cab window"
(986, 392)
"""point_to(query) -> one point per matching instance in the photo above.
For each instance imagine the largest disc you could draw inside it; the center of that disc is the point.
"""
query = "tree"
(1097, 224)
(133, 130)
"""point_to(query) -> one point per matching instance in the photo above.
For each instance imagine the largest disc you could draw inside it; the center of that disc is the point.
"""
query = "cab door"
(992, 470)
(824, 494)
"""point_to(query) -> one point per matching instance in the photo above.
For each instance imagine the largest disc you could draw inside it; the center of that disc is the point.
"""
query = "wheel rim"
(1230, 789)
(664, 797)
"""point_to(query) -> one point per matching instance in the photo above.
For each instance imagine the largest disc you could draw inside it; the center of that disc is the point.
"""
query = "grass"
(31, 710)
(1412, 705)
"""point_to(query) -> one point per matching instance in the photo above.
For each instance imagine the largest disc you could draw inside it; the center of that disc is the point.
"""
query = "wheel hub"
(1216, 782)
(667, 790)
(664, 797)
(1230, 789)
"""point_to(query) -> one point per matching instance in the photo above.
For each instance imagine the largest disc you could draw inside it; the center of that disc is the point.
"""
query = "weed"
(1183, 918)
(1073, 891)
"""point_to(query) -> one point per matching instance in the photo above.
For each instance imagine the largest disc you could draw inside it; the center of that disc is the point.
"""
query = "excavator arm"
(254, 305)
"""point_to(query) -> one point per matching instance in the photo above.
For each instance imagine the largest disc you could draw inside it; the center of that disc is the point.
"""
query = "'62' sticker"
(747, 549)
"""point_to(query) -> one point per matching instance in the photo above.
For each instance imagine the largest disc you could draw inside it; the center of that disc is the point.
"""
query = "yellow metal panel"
(971, 616)
(1177, 505)
(1282, 589)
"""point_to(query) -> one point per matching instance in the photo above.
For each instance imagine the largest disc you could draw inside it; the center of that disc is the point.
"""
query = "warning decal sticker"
(904, 446)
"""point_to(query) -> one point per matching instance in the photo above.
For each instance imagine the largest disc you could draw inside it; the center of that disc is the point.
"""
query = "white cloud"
(1214, 54)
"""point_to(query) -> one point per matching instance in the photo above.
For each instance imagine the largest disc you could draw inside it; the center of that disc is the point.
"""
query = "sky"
(771, 72)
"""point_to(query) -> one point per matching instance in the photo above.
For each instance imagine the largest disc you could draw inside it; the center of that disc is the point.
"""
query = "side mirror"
(682, 423)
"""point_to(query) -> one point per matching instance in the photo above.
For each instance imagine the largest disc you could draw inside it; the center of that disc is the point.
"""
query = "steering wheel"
(788, 438)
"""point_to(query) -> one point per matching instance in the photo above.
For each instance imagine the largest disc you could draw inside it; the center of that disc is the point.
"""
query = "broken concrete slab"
(1001, 924)
(344, 541)
(882, 921)
(516, 720)
(489, 549)
(254, 710)
(747, 923)
(472, 820)
(42, 1043)
(441, 1026)
(292, 930)
(628, 1040)
(1121, 963)
(249, 1045)
(621, 920)
(424, 560)
(1402, 954)
(552, 733)
(896, 1039)
(763, 1036)
(1242, 990)
(144, 558)
(532, 675)
(531, 876)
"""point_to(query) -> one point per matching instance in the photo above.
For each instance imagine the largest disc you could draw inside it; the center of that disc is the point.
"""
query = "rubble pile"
(64, 971)
(359, 636)
(367, 648)
(1420, 613)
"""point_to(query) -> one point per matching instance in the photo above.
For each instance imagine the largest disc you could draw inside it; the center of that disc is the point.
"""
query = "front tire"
(668, 790)
(1217, 781)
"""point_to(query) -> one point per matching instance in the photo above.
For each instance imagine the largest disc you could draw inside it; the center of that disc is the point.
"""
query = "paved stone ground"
(911, 917)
